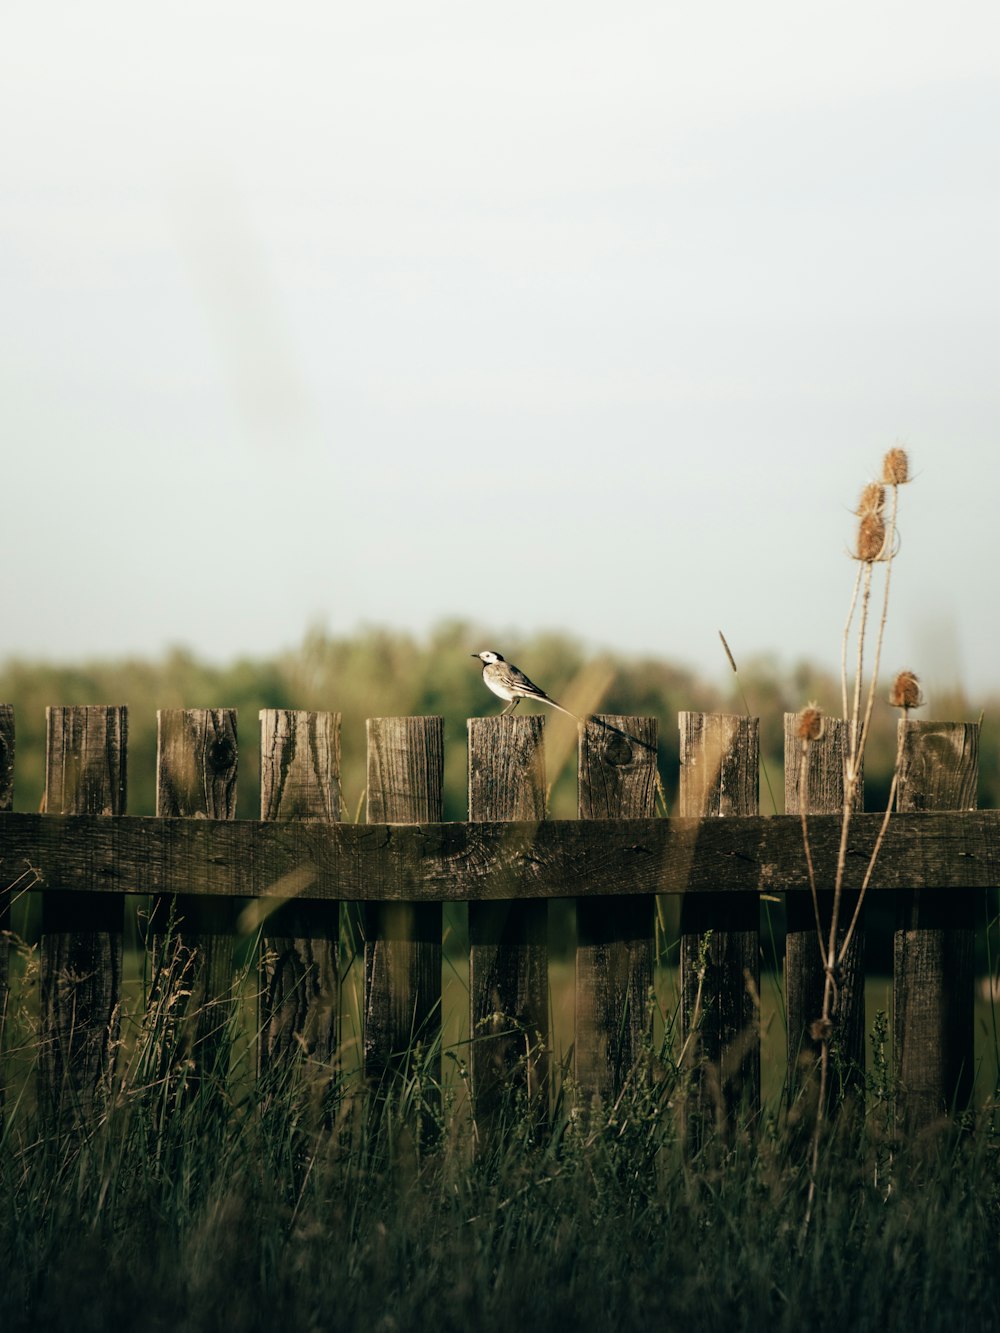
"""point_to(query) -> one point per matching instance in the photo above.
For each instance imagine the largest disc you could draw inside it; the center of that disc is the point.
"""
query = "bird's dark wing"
(521, 682)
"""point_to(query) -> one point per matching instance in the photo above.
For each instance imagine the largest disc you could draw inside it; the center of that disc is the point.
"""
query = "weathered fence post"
(720, 934)
(403, 940)
(300, 1000)
(934, 938)
(81, 946)
(614, 950)
(819, 789)
(6, 805)
(508, 945)
(196, 766)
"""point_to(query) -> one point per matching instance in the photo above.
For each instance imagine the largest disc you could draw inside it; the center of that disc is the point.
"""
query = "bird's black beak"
(473, 654)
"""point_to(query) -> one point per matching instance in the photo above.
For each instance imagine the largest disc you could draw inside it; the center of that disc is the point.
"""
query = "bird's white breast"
(499, 688)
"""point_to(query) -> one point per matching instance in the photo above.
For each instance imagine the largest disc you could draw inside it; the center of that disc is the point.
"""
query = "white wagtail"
(511, 684)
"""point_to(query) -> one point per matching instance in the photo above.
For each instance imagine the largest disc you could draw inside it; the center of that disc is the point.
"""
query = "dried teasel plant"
(875, 546)
(896, 463)
(810, 727)
(811, 724)
(872, 500)
(871, 538)
(905, 692)
(896, 467)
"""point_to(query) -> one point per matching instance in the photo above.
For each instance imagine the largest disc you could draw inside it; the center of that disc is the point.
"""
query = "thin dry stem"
(875, 851)
(803, 806)
(847, 638)
(695, 1016)
(838, 885)
(890, 543)
(856, 742)
(732, 660)
(854, 739)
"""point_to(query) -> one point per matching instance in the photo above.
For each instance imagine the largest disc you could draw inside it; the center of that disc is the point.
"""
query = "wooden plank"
(196, 764)
(81, 941)
(461, 862)
(508, 940)
(300, 992)
(720, 942)
(821, 784)
(934, 937)
(403, 938)
(6, 758)
(6, 880)
(614, 949)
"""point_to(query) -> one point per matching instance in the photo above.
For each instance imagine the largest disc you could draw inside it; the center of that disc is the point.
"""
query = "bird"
(510, 683)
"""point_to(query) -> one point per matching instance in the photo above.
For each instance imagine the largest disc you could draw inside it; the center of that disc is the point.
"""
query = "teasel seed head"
(906, 692)
(812, 724)
(821, 1029)
(871, 538)
(872, 499)
(896, 467)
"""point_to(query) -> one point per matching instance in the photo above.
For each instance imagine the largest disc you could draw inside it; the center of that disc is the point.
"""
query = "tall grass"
(231, 1202)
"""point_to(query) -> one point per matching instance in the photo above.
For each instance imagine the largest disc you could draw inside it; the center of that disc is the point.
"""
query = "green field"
(235, 1203)
(247, 1206)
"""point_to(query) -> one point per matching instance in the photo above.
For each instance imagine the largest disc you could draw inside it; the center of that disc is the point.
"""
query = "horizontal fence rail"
(458, 862)
(298, 863)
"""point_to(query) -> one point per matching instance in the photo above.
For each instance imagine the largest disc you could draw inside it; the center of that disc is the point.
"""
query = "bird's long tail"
(544, 699)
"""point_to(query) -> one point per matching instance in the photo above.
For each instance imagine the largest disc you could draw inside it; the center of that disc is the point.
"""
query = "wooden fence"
(200, 864)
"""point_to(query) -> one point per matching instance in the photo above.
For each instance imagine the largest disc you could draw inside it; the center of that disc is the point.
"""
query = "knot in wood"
(617, 752)
(221, 754)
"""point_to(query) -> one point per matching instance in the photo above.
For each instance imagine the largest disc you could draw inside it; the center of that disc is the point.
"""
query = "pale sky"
(555, 315)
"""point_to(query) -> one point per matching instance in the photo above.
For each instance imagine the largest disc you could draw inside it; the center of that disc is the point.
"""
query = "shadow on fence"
(283, 879)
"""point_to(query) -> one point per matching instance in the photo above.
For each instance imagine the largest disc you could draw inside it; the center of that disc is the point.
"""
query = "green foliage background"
(197, 1220)
(379, 672)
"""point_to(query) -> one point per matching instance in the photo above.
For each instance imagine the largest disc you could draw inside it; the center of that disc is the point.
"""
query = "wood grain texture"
(196, 766)
(708, 858)
(720, 758)
(300, 765)
(6, 805)
(818, 787)
(403, 938)
(934, 937)
(614, 951)
(81, 944)
(6, 757)
(196, 763)
(300, 992)
(508, 940)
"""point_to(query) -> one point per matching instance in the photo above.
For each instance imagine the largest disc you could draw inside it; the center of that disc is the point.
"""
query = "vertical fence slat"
(934, 938)
(6, 757)
(822, 786)
(300, 999)
(719, 776)
(196, 765)
(508, 947)
(81, 945)
(6, 804)
(614, 950)
(403, 940)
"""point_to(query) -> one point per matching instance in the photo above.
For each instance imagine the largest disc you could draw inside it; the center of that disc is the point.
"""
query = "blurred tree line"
(379, 672)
